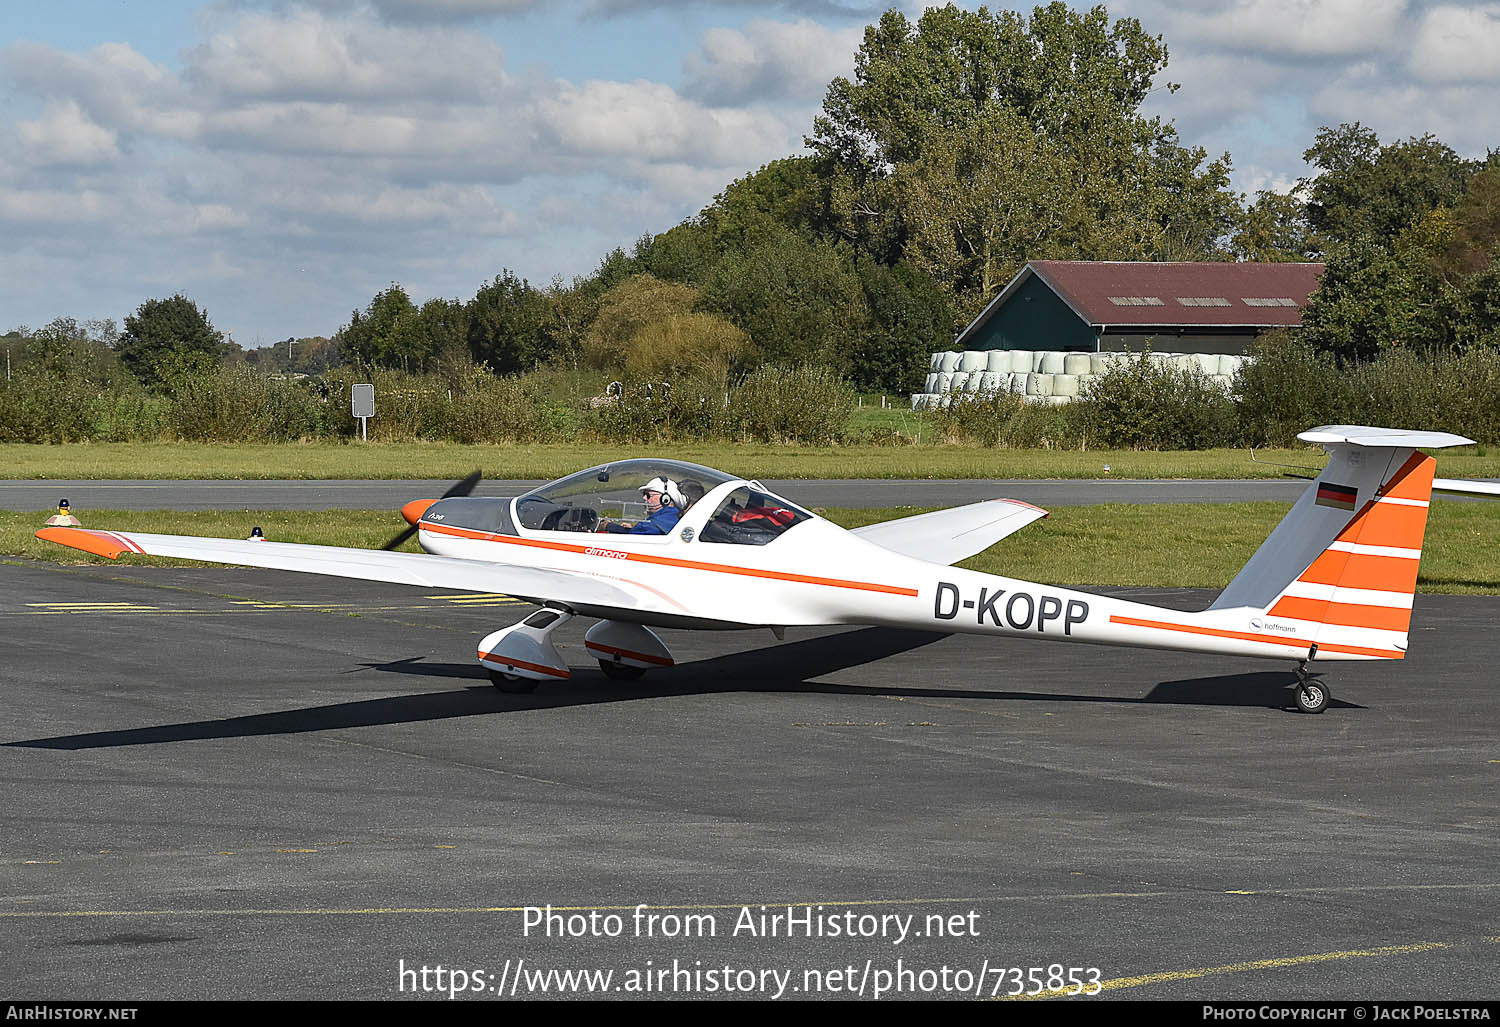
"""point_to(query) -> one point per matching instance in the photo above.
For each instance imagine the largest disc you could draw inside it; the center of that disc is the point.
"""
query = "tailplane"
(1340, 569)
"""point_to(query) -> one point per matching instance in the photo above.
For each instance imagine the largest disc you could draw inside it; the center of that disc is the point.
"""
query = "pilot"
(664, 504)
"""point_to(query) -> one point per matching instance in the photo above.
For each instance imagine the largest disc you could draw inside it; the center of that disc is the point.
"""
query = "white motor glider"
(1334, 581)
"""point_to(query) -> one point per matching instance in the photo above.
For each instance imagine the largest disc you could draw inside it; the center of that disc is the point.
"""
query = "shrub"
(1147, 403)
(1287, 387)
(239, 404)
(810, 405)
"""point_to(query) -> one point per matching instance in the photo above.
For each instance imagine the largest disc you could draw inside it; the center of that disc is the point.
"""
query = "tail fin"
(1341, 567)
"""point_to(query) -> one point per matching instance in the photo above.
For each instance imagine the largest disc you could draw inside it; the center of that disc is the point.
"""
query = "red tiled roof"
(1110, 292)
(1133, 293)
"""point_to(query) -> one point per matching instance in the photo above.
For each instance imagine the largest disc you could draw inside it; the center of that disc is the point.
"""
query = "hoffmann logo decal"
(1021, 611)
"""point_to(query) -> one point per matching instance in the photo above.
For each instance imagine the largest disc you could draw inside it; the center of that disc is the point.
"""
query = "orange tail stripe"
(1357, 570)
(1414, 480)
(1351, 615)
(1385, 524)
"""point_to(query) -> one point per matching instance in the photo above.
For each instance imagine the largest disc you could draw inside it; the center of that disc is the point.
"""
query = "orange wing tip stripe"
(1249, 636)
(506, 661)
(100, 543)
(614, 650)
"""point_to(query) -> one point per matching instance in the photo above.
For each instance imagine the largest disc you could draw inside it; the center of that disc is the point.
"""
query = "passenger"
(664, 504)
(692, 491)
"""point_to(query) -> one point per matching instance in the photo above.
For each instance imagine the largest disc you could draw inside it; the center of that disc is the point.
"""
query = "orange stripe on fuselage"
(666, 561)
(1248, 636)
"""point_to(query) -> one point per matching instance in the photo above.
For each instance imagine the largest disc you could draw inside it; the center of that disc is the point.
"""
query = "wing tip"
(96, 542)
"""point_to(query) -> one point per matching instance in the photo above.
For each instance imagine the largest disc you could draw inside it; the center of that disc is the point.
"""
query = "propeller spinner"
(414, 510)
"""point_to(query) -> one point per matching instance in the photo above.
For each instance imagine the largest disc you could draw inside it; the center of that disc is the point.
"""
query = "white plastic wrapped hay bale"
(975, 382)
(1229, 363)
(949, 362)
(923, 401)
(1099, 363)
(1051, 363)
(998, 362)
(1057, 401)
(931, 384)
(939, 382)
(1038, 385)
(1076, 363)
(991, 382)
(1065, 385)
(945, 400)
(1017, 384)
(935, 362)
(1225, 382)
(973, 360)
(1023, 360)
(1208, 363)
(957, 380)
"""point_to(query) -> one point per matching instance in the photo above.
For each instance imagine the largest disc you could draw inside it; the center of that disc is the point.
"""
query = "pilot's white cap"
(667, 487)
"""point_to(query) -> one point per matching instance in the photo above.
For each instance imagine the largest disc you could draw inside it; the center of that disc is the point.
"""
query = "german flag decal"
(1340, 497)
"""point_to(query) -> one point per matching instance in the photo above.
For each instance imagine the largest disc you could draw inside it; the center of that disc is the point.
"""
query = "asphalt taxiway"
(225, 783)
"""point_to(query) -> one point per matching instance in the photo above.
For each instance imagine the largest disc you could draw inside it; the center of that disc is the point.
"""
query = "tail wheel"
(1312, 697)
(512, 684)
(621, 672)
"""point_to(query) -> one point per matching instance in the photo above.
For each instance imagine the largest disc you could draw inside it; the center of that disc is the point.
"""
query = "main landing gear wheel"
(1312, 697)
(620, 671)
(512, 684)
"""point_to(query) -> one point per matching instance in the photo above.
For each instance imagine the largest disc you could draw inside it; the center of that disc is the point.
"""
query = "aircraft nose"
(414, 510)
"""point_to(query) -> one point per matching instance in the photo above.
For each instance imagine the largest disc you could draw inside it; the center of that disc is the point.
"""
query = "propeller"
(413, 511)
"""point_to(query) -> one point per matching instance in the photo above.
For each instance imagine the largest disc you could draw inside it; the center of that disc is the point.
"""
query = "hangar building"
(1110, 306)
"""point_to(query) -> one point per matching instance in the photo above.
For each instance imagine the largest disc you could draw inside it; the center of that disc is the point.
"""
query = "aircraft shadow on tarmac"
(788, 667)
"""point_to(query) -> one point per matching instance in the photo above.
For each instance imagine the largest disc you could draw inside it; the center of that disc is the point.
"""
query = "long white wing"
(369, 564)
(948, 536)
(1466, 487)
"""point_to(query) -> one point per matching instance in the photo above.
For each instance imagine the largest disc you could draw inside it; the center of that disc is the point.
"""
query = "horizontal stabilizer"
(1363, 435)
(948, 536)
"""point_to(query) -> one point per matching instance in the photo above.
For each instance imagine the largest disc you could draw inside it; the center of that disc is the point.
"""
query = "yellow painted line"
(70, 606)
(469, 595)
(1171, 976)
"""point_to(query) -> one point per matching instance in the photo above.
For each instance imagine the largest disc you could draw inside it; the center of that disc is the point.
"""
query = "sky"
(282, 161)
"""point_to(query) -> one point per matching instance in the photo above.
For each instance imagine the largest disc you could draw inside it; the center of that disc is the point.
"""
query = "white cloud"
(769, 60)
(649, 121)
(307, 56)
(65, 135)
(1458, 44)
(1296, 29)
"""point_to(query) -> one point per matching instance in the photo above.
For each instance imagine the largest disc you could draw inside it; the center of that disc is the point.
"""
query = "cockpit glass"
(609, 498)
(752, 517)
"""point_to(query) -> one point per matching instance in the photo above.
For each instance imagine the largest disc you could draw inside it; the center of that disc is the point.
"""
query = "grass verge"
(319, 460)
(1145, 545)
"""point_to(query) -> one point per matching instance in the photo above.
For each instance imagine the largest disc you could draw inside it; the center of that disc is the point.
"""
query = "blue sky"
(281, 161)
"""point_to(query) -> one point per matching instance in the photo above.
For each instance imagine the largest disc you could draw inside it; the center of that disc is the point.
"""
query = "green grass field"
(326, 460)
(1191, 545)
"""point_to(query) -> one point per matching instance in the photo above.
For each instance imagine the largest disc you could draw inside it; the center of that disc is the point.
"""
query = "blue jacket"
(660, 523)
